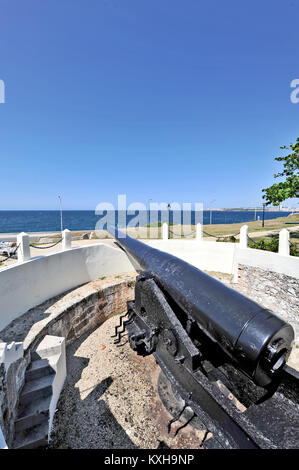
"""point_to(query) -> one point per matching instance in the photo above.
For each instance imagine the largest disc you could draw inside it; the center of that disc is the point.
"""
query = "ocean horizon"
(14, 221)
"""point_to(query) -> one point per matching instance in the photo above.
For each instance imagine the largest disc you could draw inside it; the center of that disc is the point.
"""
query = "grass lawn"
(294, 239)
(254, 226)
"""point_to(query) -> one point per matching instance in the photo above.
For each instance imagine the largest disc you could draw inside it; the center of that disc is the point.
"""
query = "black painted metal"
(216, 392)
(255, 340)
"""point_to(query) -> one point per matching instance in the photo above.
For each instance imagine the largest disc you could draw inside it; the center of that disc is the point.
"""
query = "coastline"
(12, 222)
(292, 224)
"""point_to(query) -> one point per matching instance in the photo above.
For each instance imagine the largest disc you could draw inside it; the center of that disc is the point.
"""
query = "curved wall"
(28, 284)
(226, 257)
(205, 255)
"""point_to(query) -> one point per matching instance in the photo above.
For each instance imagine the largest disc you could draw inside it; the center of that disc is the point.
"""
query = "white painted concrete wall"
(225, 257)
(284, 242)
(10, 352)
(165, 231)
(53, 349)
(288, 265)
(244, 236)
(25, 285)
(209, 256)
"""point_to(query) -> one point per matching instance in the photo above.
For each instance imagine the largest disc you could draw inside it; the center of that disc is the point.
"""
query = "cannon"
(224, 354)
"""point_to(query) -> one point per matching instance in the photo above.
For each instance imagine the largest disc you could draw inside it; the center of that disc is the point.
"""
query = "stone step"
(46, 353)
(40, 387)
(37, 369)
(33, 438)
(33, 413)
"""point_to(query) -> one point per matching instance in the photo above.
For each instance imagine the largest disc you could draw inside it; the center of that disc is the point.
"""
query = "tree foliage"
(289, 188)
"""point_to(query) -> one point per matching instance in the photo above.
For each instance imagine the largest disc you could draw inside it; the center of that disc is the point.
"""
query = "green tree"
(289, 188)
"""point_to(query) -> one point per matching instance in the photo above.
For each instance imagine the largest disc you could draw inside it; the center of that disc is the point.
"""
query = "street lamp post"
(263, 223)
(211, 211)
(169, 207)
(61, 225)
(256, 208)
(149, 210)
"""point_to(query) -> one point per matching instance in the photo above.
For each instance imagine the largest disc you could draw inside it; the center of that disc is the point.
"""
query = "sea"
(50, 221)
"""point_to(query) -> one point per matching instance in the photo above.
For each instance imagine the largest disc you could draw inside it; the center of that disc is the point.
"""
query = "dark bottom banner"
(136, 458)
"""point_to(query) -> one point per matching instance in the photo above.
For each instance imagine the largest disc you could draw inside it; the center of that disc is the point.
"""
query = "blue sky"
(171, 100)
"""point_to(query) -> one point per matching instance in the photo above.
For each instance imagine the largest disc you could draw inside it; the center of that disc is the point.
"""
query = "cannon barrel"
(255, 339)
